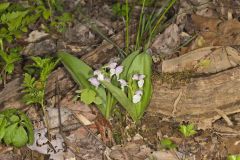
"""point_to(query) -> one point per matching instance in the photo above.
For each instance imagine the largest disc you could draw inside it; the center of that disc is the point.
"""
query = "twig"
(176, 103)
(224, 116)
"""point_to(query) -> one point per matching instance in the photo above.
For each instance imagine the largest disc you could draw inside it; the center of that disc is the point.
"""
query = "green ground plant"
(7, 62)
(187, 130)
(233, 157)
(16, 128)
(128, 83)
(167, 143)
(35, 82)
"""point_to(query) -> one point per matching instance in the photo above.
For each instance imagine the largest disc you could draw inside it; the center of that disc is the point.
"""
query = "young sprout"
(137, 96)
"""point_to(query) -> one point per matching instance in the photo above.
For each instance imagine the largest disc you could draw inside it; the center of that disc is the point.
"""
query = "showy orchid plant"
(128, 83)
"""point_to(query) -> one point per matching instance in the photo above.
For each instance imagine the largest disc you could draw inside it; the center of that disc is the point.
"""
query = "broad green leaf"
(88, 96)
(142, 64)
(122, 99)
(98, 101)
(14, 118)
(20, 137)
(9, 134)
(3, 127)
(127, 62)
(4, 6)
(81, 72)
(30, 131)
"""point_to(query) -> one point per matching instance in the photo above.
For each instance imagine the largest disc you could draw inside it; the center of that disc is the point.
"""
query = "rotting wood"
(200, 99)
(12, 90)
(204, 60)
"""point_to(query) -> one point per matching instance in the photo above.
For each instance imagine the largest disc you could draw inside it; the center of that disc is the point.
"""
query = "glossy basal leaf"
(20, 137)
(4, 6)
(127, 63)
(142, 64)
(14, 118)
(81, 72)
(3, 127)
(9, 134)
(122, 99)
(26, 122)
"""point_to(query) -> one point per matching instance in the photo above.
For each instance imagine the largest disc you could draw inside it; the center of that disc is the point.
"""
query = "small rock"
(80, 34)
(47, 46)
(35, 36)
(168, 41)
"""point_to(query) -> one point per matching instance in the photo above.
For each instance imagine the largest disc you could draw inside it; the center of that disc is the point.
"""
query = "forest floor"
(195, 79)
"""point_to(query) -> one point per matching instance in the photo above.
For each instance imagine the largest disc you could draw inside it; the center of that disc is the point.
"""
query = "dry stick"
(224, 116)
(60, 121)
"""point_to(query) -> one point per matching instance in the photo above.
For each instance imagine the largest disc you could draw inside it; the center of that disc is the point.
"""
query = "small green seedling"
(35, 85)
(167, 143)
(16, 128)
(89, 96)
(7, 61)
(233, 157)
(60, 22)
(187, 130)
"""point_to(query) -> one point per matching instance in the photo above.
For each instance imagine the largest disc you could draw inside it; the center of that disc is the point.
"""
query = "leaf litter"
(212, 51)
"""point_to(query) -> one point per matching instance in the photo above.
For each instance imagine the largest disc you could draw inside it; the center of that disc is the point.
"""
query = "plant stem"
(139, 27)
(50, 9)
(162, 16)
(45, 114)
(127, 27)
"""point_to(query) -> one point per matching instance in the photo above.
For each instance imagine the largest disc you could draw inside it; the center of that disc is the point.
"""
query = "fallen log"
(202, 100)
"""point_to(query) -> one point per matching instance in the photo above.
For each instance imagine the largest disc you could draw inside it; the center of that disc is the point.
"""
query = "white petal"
(123, 83)
(135, 77)
(100, 77)
(140, 83)
(94, 81)
(139, 92)
(118, 70)
(141, 76)
(96, 72)
(112, 65)
(136, 98)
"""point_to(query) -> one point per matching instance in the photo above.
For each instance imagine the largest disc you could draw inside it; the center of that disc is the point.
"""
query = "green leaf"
(14, 118)
(187, 130)
(9, 134)
(4, 6)
(3, 127)
(167, 144)
(233, 157)
(122, 99)
(46, 14)
(142, 64)
(9, 68)
(127, 62)
(80, 73)
(98, 101)
(120, 9)
(88, 96)
(20, 137)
